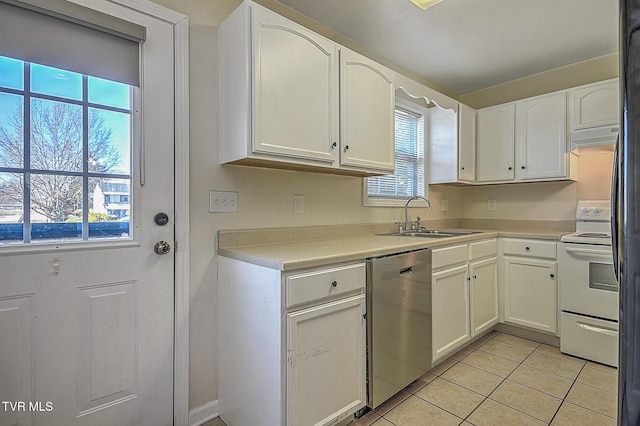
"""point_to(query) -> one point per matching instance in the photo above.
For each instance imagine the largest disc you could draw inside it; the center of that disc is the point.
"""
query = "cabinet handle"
(346, 147)
(475, 277)
(552, 276)
(333, 145)
(522, 167)
(527, 248)
(334, 284)
(510, 168)
(462, 168)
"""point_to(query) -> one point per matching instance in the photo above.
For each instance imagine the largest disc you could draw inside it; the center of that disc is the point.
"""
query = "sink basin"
(432, 233)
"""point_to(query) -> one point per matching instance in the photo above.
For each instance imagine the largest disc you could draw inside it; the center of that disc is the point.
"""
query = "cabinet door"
(450, 304)
(466, 144)
(326, 362)
(367, 113)
(295, 92)
(484, 295)
(541, 137)
(495, 143)
(595, 105)
(530, 293)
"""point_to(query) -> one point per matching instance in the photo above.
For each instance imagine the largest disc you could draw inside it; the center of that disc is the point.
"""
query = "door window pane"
(12, 75)
(56, 136)
(109, 93)
(56, 207)
(109, 141)
(11, 208)
(109, 208)
(11, 130)
(56, 82)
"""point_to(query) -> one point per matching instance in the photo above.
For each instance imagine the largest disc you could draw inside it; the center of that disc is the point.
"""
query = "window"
(65, 147)
(408, 179)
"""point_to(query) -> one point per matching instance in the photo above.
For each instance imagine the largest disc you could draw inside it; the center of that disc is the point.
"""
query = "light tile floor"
(502, 379)
(505, 380)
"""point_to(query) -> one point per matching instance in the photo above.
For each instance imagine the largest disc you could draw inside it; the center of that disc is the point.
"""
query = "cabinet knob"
(462, 168)
(475, 277)
(522, 167)
(510, 168)
(552, 276)
(333, 145)
(346, 147)
(334, 284)
(527, 248)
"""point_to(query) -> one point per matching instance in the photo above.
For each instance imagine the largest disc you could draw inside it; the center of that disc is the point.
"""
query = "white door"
(86, 327)
(541, 137)
(484, 295)
(450, 306)
(495, 131)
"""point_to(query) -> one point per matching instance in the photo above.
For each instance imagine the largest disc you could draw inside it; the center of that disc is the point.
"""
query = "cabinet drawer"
(449, 256)
(483, 249)
(324, 283)
(530, 248)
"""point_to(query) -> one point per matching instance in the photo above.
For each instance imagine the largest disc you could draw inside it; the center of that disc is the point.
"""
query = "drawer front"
(481, 249)
(449, 256)
(324, 283)
(532, 248)
(589, 338)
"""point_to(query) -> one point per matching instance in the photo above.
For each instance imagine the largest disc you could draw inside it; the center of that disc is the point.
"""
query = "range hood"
(595, 139)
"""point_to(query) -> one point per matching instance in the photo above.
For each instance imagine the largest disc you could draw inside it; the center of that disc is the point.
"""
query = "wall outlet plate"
(223, 202)
(298, 203)
(444, 206)
(491, 205)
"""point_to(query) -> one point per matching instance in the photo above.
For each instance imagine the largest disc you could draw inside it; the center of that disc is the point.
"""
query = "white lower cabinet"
(450, 298)
(292, 345)
(324, 361)
(530, 290)
(465, 294)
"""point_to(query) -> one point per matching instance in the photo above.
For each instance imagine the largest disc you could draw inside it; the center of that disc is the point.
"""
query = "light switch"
(223, 202)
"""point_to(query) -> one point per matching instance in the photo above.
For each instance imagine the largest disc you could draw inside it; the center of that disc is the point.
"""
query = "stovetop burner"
(594, 235)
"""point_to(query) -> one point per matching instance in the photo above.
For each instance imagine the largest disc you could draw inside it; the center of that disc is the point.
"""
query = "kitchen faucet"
(408, 225)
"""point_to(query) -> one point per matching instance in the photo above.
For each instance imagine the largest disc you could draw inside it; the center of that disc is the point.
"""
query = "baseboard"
(203, 413)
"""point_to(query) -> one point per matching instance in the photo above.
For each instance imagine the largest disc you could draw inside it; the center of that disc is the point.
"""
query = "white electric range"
(588, 289)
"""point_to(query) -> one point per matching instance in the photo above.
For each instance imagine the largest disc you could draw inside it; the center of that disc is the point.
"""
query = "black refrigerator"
(625, 221)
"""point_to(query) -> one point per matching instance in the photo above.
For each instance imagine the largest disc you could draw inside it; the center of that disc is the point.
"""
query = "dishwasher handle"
(404, 271)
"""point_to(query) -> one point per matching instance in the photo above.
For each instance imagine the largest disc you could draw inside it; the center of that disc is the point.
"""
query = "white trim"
(203, 413)
(180, 22)
(181, 310)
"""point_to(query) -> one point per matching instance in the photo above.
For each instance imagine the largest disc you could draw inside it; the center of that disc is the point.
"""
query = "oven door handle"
(587, 252)
(606, 331)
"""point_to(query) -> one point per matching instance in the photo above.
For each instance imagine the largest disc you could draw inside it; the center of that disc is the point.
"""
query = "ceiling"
(466, 45)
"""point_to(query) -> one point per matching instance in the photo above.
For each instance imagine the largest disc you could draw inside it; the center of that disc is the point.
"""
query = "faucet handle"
(400, 230)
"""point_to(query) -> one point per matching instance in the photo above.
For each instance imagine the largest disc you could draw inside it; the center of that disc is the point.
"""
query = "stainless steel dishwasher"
(398, 322)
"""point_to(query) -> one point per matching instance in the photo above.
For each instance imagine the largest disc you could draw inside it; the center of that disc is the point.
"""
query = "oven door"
(586, 280)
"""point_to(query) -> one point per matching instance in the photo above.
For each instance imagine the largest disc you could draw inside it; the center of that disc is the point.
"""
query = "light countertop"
(291, 255)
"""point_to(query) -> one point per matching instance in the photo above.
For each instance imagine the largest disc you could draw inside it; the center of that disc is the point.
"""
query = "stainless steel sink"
(431, 233)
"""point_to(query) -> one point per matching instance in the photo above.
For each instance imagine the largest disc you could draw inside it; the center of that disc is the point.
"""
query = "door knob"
(162, 247)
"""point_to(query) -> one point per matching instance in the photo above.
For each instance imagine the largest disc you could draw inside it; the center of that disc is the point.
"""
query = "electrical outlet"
(223, 202)
(444, 206)
(491, 205)
(298, 203)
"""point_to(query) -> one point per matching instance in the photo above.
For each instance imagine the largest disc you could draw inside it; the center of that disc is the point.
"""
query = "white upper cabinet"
(495, 143)
(280, 99)
(295, 92)
(523, 141)
(595, 105)
(541, 137)
(466, 144)
(367, 113)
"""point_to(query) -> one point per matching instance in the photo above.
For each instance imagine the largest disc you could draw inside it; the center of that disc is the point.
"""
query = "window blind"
(68, 36)
(408, 179)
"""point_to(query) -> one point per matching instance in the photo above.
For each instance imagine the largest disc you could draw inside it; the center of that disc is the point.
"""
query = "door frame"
(180, 24)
